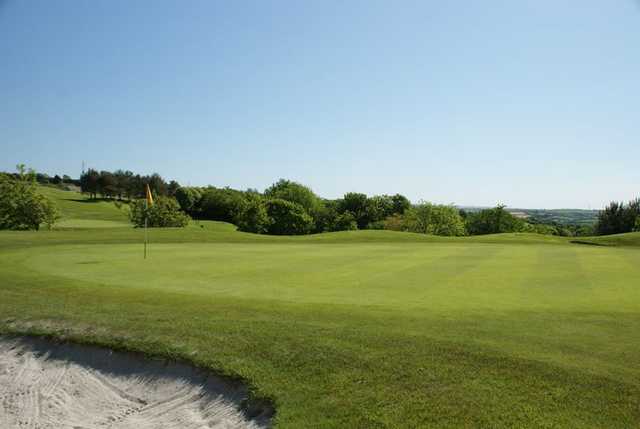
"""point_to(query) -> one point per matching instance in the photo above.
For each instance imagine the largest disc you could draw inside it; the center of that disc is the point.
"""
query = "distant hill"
(579, 217)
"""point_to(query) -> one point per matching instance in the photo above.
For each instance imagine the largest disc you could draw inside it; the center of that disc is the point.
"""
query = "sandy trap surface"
(49, 385)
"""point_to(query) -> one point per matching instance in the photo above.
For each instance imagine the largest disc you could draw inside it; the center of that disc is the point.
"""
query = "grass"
(354, 329)
(79, 211)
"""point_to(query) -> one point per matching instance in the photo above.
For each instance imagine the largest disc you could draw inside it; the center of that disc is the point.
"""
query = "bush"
(254, 217)
(295, 193)
(345, 222)
(493, 221)
(287, 218)
(394, 223)
(165, 212)
(222, 204)
(189, 199)
(427, 218)
(22, 207)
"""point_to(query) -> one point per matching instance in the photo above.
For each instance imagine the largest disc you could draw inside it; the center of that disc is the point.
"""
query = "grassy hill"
(353, 329)
(79, 211)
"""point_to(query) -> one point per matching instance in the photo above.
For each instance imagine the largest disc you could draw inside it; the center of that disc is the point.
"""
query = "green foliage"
(400, 204)
(345, 222)
(427, 218)
(254, 217)
(189, 199)
(287, 218)
(22, 207)
(493, 221)
(618, 218)
(123, 184)
(165, 212)
(295, 193)
(358, 205)
(223, 204)
(637, 226)
(394, 223)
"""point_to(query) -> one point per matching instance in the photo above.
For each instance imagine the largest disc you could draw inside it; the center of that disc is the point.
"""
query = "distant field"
(355, 329)
(579, 217)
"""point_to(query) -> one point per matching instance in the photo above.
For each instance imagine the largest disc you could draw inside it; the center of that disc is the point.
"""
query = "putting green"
(436, 277)
(357, 329)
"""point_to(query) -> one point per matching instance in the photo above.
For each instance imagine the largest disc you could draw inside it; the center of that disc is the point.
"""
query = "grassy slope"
(370, 329)
(78, 211)
(628, 239)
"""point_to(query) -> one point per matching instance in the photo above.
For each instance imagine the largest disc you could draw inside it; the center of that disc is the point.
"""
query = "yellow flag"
(149, 197)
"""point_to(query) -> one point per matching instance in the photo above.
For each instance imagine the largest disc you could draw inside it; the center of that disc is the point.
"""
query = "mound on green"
(355, 329)
(627, 239)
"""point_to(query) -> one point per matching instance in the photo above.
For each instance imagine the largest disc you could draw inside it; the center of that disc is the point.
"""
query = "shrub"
(345, 222)
(394, 223)
(254, 217)
(222, 204)
(493, 221)
(287, 218)
(22, 207)
(165, 212)
(427, 218)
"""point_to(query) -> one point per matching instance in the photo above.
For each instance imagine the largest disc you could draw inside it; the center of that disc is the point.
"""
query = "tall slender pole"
(146, 208)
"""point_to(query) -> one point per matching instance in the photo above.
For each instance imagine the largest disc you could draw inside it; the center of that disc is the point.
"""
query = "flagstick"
(146, 206)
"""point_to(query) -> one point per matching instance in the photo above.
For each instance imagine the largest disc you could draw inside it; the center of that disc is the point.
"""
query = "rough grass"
(356, 329)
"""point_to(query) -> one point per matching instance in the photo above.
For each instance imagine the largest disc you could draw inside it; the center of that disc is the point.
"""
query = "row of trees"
(288, 207)
(618, 218)
(123, 184)
(284, 208)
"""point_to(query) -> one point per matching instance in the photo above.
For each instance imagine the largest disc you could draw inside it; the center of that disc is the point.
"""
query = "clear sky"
(529, 103)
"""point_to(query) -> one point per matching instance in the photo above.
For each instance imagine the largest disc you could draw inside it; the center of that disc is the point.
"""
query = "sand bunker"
(47, 385)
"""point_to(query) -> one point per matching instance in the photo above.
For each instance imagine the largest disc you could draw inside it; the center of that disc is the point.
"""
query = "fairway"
(363, 329)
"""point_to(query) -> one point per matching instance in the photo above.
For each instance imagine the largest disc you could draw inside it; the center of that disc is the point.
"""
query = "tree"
(345, 222)
(189, 199)
(164, 212)
(400, 204)
(618, 218)
(172, 187)
(288, 218)
(358, 205)
(157, 184)
(637, 225)
(89, 182)
(493, 221)
(107, 184)
(222, 204)
(22, 207)
(254, 217)
(295, 193)
(395, 222)
(427, 218)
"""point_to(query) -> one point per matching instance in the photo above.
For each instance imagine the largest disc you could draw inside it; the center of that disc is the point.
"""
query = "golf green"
(365, 329)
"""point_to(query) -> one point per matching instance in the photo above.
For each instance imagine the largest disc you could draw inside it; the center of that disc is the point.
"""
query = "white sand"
(47, 385)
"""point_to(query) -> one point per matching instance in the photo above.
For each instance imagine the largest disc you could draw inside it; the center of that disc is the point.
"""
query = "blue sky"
(528, 103)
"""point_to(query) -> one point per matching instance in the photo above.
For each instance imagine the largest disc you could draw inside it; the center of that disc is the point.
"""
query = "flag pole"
(146, 209)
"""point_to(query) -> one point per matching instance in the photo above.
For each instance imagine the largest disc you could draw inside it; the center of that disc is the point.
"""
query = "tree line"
(285, 208)
(123, 184)
(619, 218)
